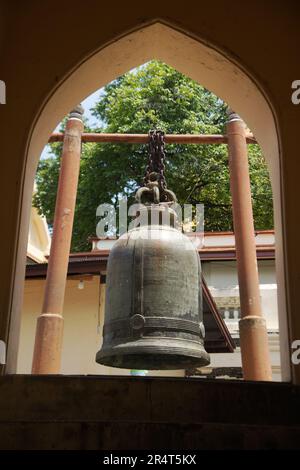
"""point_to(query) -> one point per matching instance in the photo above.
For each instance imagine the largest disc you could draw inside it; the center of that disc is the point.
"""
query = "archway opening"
(198, 61)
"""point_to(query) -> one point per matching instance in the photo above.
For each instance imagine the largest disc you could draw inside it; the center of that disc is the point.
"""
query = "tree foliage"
(155, 96)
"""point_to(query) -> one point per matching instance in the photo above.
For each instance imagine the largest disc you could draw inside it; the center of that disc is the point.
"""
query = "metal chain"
(156, 158)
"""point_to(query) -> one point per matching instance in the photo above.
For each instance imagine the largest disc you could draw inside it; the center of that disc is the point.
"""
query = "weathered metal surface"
(153, 312)
(153, 315)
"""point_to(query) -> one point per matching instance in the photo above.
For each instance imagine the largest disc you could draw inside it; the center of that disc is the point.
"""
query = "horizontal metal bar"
(144, 138)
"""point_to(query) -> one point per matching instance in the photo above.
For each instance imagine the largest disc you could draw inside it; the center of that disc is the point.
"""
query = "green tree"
(156, 96)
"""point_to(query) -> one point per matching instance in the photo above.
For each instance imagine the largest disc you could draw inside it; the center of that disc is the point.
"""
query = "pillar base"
(48, 344)
(255, 348)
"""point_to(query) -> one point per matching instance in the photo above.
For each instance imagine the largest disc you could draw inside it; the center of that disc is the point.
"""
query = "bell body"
(153, 311)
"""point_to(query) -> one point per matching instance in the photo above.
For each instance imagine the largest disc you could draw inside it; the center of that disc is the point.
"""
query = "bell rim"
(178, 353)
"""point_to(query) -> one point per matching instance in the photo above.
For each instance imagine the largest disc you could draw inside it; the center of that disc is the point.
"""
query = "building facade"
(220, 272)
(85, 301)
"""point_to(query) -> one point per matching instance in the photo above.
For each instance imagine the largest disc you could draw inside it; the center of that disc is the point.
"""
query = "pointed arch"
(202, 62)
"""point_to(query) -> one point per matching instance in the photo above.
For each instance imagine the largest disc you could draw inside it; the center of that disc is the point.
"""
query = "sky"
(87, 104)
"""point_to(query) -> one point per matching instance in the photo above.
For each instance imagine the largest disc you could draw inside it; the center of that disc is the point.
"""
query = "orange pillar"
(49, 330)
(253, 331)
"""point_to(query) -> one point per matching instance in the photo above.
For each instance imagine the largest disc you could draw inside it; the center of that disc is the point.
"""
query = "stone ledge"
(26, 398)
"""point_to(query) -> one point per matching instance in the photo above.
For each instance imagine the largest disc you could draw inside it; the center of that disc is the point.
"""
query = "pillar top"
(232, 115)
(77, 112)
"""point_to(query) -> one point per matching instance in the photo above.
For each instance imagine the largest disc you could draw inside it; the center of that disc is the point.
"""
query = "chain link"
(156, 158)
(155, 185)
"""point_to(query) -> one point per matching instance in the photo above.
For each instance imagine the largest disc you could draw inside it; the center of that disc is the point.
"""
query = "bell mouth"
(155, 354)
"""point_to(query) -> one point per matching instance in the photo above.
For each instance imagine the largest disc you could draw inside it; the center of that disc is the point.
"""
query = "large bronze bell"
(153, 311)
